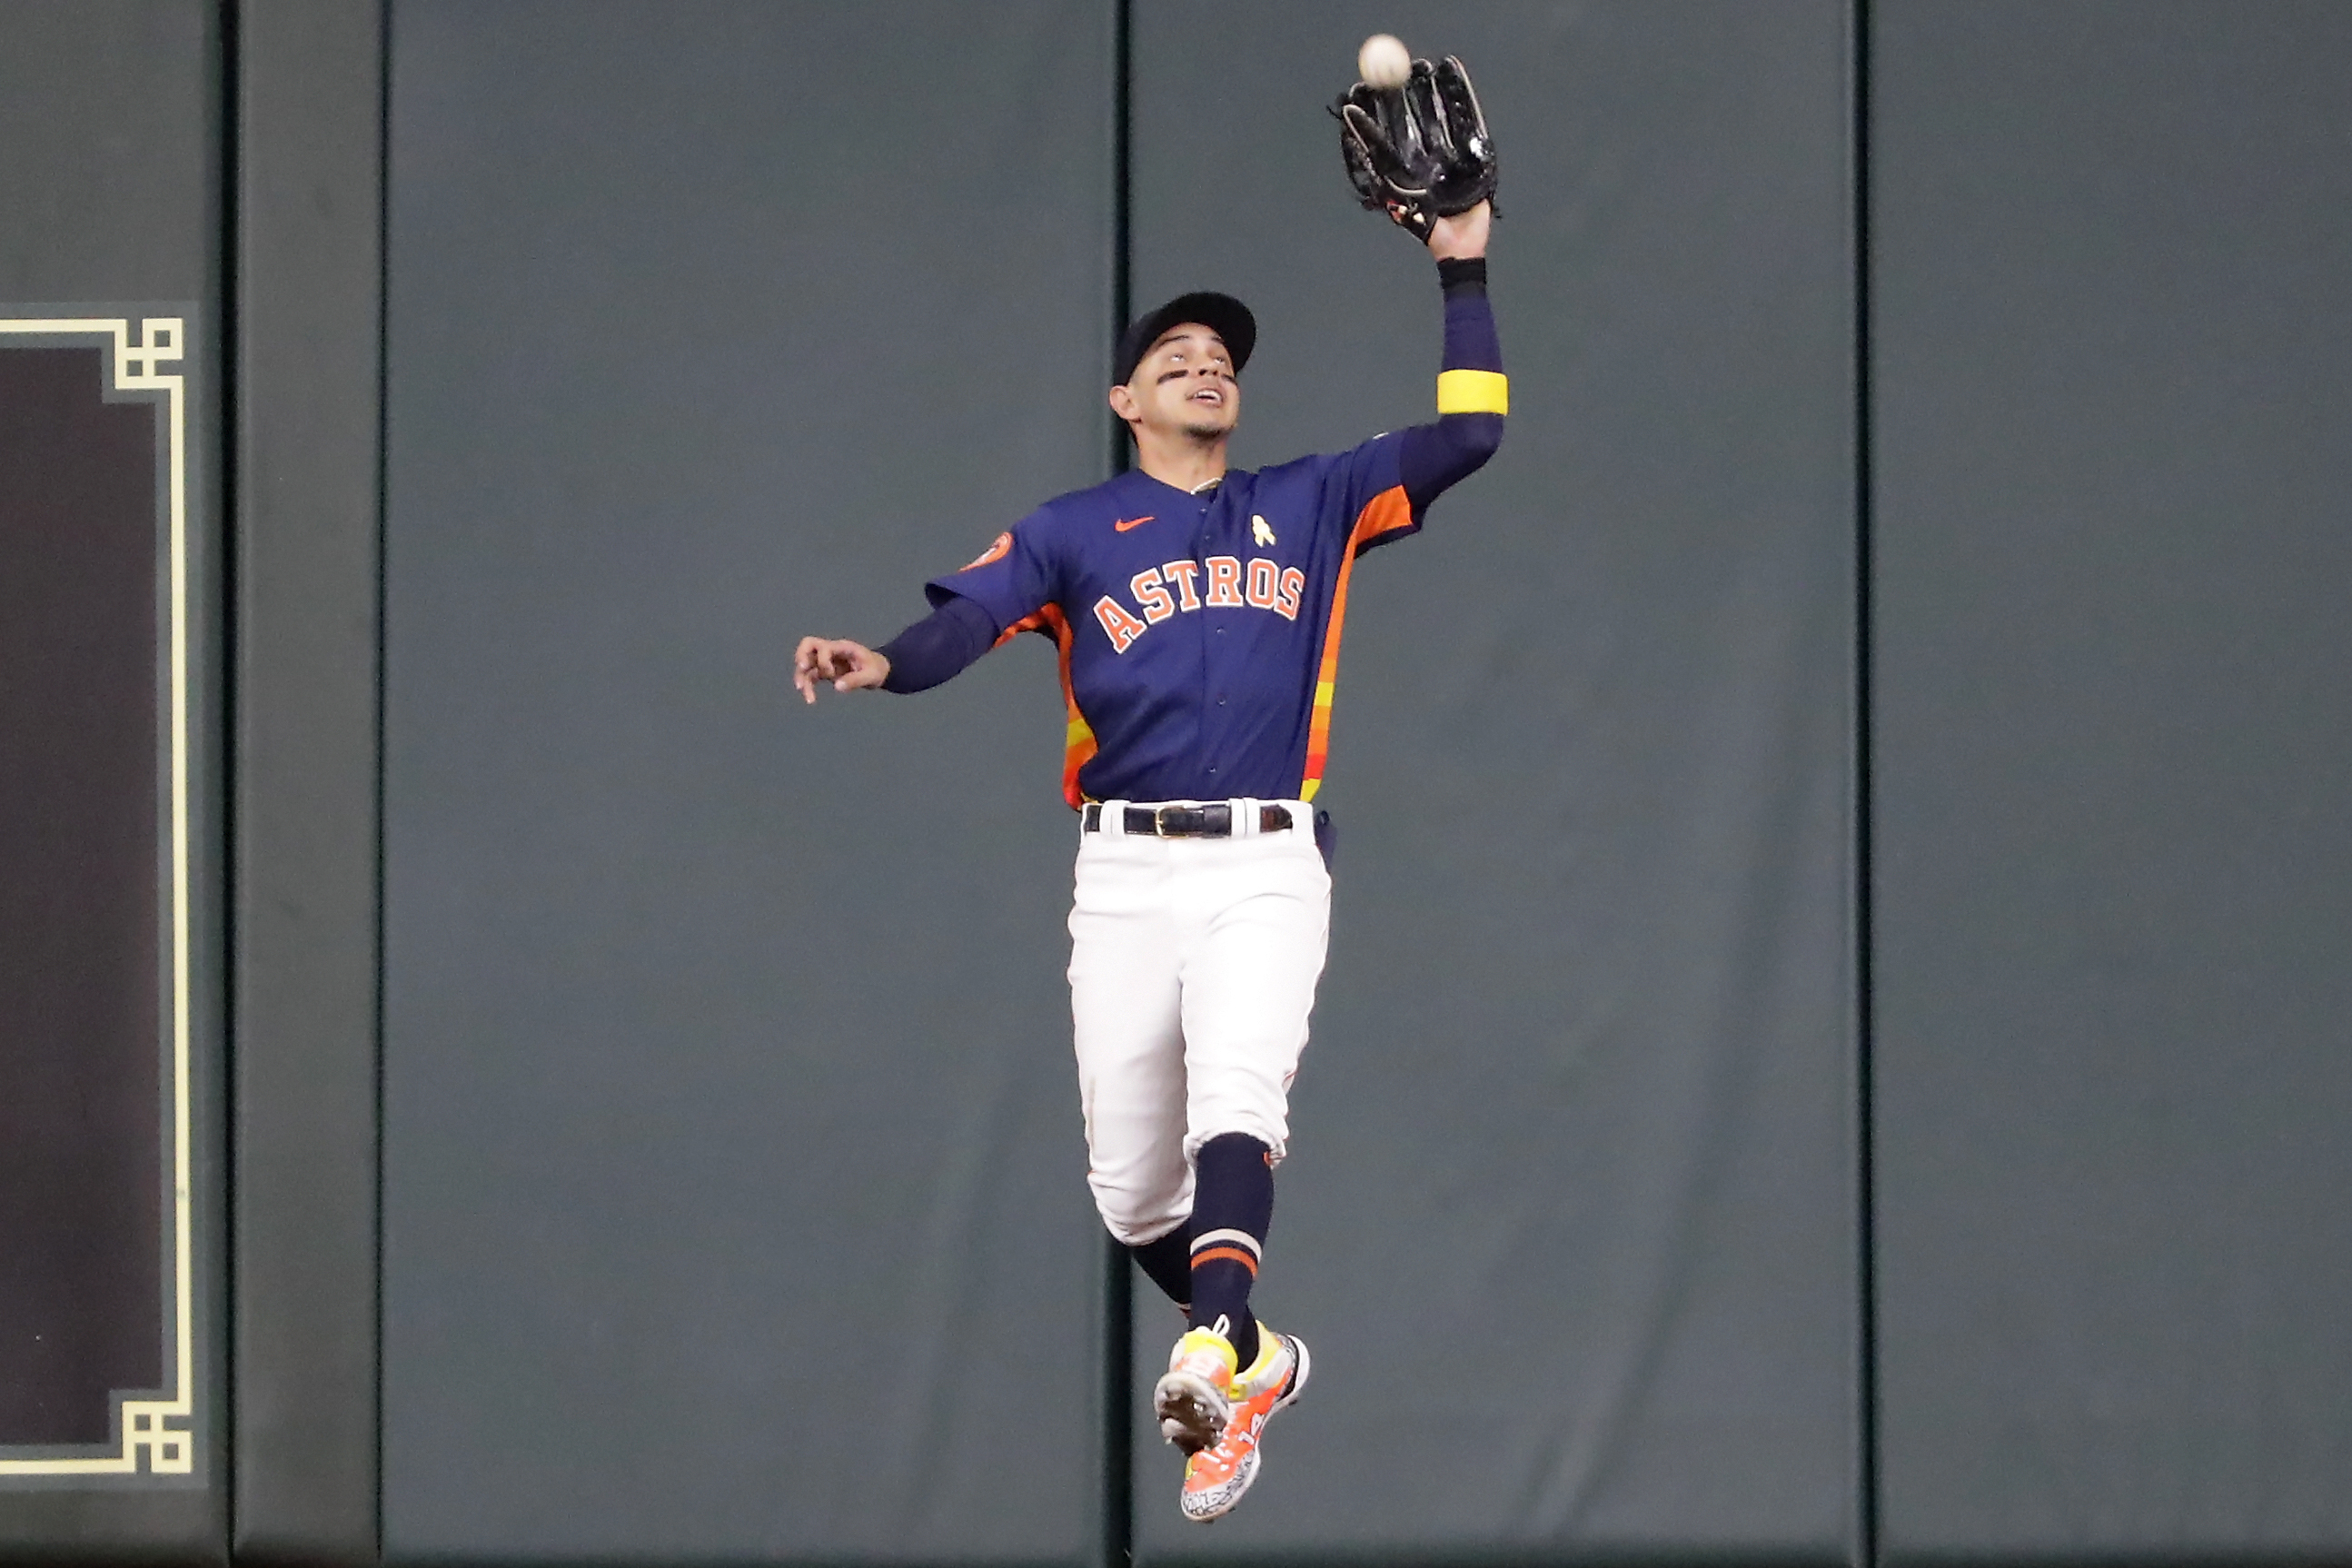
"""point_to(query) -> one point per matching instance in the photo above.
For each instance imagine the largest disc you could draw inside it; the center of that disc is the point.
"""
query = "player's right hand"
(851, 667)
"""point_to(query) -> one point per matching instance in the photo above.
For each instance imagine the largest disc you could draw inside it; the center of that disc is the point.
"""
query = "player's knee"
(1140, 1211)
(1268, 1131)
(1135, 1227)
(1129, 1232)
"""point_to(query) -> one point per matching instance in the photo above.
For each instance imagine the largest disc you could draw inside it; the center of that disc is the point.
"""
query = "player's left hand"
(850, 665)
(1419, 148)
(1462, 236)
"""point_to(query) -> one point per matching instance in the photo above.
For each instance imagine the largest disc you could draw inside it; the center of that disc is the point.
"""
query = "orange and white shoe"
(1194, 1398)
(1216, 1477)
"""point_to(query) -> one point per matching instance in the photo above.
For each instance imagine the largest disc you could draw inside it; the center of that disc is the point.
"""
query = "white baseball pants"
(1192, 970)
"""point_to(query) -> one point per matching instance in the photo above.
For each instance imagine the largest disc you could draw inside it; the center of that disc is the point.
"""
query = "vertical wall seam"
(1865, 1143)
(1118, 1478)
(1116, 1481)
(383, 556)
(230, 534)
(1122, 211)
(1117, 1511)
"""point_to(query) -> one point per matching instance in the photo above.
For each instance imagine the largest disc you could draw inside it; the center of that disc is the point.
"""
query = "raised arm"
(1471, 396)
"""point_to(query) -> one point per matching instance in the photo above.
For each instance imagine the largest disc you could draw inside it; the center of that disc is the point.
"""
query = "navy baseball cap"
(1221, 313)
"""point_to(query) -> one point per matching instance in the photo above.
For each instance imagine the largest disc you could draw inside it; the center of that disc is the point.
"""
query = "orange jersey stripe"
(1078, 736)
(1036, 622)
(1233, 1253)
(1384, 513)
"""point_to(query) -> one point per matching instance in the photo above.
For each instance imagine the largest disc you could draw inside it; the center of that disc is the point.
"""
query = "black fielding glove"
(1421, 151)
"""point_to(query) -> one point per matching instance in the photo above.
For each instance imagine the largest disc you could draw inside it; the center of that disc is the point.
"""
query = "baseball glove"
(1419, 151)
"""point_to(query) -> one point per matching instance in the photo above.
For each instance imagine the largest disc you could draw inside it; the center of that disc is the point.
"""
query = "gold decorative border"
(160, 1430)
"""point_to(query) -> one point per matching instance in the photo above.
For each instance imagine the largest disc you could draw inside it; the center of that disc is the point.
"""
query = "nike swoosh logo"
(1132, 522)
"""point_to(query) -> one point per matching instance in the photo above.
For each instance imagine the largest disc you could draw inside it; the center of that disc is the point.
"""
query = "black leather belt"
(1214, 820)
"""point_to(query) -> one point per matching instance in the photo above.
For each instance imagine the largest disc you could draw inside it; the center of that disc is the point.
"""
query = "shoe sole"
(1207, 1508)
(1192, 1414)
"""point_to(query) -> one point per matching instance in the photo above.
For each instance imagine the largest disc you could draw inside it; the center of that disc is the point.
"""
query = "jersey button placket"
(1199, 553)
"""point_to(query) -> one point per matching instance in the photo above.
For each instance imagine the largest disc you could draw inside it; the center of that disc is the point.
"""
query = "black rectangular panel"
(309, 83)
(734, 1184)
(1568, 1218)
(2113, 883)
(80, 990)
(109, 293)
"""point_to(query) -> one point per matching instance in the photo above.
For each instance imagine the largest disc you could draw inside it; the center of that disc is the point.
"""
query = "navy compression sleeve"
(1434, 456)
(940, 646)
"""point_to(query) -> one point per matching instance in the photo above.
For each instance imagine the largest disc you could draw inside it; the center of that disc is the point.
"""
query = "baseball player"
(1198, 613)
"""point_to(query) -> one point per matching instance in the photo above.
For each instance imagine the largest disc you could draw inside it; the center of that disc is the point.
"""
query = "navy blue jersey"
(1198, 633)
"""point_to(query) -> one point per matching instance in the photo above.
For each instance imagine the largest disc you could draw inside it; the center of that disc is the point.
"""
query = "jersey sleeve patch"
(996, 551)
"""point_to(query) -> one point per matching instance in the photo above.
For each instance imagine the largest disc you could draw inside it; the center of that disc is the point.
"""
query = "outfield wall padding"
(2112, 662)
(734, 1192)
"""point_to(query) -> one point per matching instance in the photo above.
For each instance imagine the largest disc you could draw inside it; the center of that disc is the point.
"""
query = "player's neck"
(1179, 460)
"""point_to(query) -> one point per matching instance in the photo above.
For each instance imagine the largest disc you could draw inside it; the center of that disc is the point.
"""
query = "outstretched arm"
(1472, 395)
(940, 646)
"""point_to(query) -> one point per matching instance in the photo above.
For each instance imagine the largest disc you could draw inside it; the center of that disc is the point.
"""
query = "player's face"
(1185, 382)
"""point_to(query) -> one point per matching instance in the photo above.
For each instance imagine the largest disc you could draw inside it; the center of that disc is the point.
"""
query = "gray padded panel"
(735, 1202)
(109, 118)
(311, 145)
(2113, 883)
(1568, 1218)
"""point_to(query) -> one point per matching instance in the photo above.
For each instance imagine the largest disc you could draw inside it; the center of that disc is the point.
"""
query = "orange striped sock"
(1233, 1208)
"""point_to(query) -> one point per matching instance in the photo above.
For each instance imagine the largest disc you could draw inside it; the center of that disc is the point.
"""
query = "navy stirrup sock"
(1232, 1209)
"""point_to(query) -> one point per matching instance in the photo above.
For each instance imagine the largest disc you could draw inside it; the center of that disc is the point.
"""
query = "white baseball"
(1384, 61)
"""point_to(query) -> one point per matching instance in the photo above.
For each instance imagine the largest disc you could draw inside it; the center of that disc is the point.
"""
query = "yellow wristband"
(1473, 392)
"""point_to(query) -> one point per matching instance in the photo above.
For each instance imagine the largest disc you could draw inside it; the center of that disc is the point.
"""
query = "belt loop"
(1245, 822)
